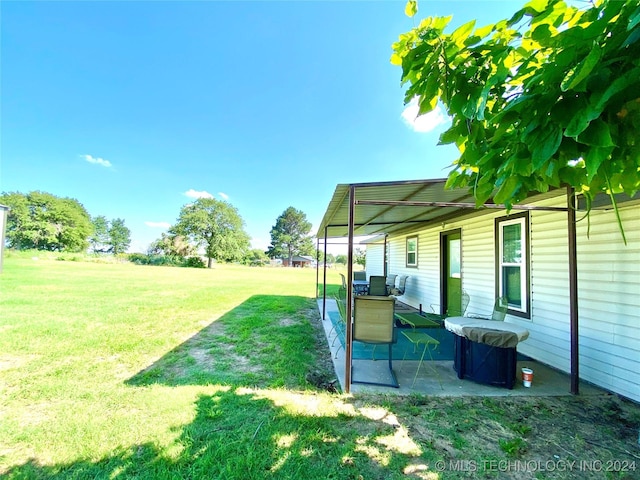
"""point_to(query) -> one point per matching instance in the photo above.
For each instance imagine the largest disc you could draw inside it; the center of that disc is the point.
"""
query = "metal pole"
(318, 267)
(324, 280)
(385, 260)
(573, 289)
(348, 341)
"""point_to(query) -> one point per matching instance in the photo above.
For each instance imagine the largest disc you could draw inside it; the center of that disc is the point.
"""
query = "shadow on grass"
(265, 420)
(273, 441)
(266, 341)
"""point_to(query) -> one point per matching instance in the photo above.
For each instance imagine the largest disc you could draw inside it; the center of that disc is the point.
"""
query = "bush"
(70, 257)
(193, 262)
(138, 258)
(165, 260)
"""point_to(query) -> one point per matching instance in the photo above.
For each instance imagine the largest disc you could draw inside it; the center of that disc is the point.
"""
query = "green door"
(451, 278)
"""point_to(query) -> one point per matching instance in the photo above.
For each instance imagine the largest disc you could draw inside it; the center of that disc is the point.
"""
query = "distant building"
(299, 261)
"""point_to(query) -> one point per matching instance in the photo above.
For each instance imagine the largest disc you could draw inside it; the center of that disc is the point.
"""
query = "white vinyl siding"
(608, 288)
(374, 260)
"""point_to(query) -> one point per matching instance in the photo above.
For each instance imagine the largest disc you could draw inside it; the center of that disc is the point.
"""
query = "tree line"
(43, 221)
(207, 228)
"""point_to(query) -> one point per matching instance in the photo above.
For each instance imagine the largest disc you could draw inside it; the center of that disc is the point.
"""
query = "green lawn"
(119, 371)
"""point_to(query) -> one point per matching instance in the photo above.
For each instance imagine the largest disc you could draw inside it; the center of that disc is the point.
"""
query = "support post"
(324, 279)
(348, 337)
(573, 289)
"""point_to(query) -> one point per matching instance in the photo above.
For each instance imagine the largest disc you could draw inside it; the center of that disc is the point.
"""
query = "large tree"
(99, 239)
(44, 221)
(547, 98)
(119, 236)
(290, 236)
(172, 245)
(109, 236)
(215, 226)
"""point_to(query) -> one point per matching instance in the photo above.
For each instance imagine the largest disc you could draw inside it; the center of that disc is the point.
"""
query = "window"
(512, 262)
(412, 251)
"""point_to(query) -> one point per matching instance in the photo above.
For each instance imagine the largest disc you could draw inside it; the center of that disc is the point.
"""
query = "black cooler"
(486, 356)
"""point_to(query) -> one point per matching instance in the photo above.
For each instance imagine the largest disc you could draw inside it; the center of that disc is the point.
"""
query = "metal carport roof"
(383, 208)
(390, 207)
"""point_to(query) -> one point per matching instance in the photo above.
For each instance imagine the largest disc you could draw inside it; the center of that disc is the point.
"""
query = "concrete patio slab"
(438, 378)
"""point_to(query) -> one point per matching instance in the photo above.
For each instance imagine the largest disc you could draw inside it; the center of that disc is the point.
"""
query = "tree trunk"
(209, 262)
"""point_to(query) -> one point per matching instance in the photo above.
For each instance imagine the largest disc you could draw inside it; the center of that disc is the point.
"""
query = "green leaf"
(516, 17)
(462, 32)
(582, 70)
(451, 179)
(597, 134)
(631, 77)
(595, 158)
(484, 31)
(581, 120)
(632, 38)
(537, 5)
(541, 33)
(449, 136)
(507, 190)
(634, 19)
(546, 144)
(440, 22)
(411, 8)
(482, 191)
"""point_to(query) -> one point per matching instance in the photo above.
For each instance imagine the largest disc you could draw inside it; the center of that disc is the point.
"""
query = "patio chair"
(339, 325)
(344, 282)
(451, 312)
(500, 307)
(360, 275)
(391, 281)
(377, 285)
(399, 290)
(373, 323)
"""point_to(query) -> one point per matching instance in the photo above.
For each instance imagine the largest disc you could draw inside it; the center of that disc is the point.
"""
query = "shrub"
(193, 262)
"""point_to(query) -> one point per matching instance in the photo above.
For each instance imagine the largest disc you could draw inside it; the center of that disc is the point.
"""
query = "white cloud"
(223, 195)
(97, 161)
(157, 224)
(191, 193)
(426, 122)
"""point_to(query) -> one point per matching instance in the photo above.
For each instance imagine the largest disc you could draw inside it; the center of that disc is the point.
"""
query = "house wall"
(374, 259)
(608, 288)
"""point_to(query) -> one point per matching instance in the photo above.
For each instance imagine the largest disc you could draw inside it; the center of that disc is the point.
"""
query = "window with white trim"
(412, 251)
(512, 262)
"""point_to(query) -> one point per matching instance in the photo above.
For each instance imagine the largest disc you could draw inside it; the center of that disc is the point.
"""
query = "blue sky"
(136, 108)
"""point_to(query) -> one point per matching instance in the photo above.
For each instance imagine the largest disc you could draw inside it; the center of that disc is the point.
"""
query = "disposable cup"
(527, 377)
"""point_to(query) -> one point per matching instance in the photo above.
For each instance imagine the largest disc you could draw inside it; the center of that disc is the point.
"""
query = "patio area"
(438, 378)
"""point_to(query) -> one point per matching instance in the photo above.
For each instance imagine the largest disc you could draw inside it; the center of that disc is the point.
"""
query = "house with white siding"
(572, 282)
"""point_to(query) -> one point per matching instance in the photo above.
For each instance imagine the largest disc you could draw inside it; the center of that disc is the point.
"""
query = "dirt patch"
(288, 322)
(322, 375)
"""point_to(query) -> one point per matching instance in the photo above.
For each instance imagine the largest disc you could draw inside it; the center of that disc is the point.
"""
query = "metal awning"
(383, 208)
(390, 207)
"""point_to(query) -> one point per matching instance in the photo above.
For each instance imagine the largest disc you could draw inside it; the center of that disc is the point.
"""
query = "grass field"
(120, 371)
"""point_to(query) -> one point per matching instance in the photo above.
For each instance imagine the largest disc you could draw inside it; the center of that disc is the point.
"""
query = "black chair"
(373, 323)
